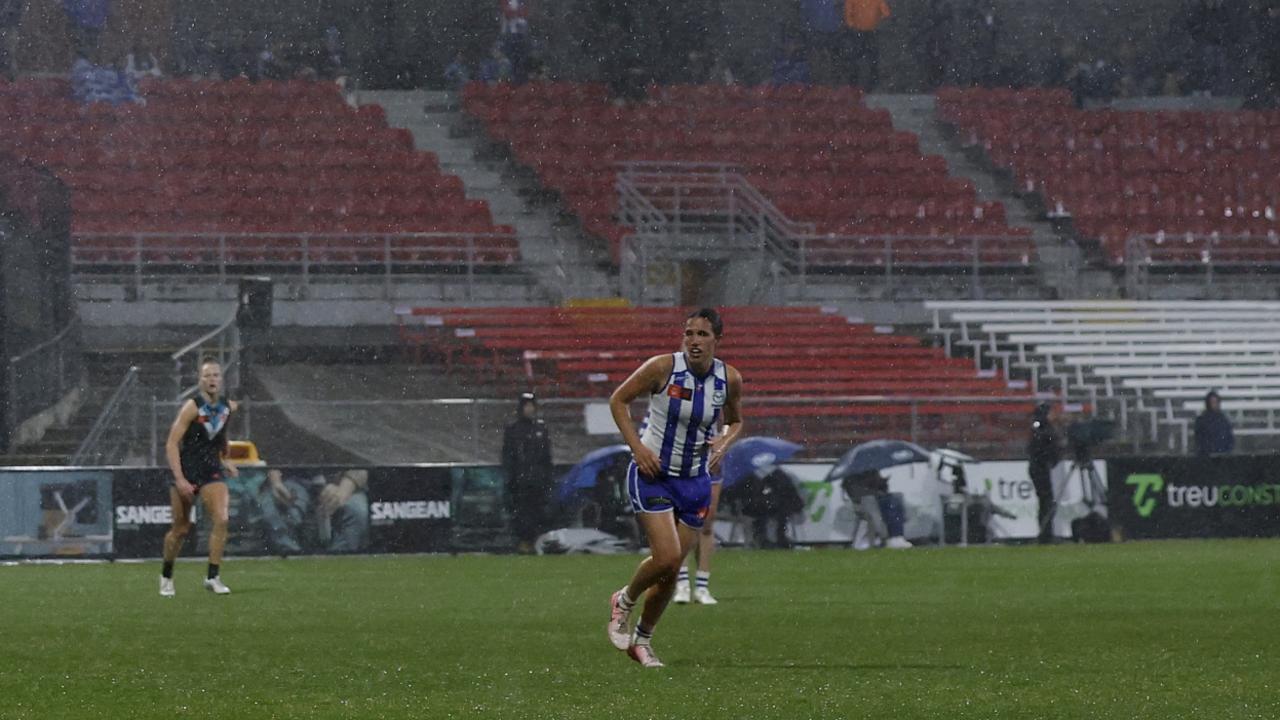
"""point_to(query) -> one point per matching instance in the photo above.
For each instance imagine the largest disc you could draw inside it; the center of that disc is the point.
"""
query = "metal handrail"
(16, 409)
(455, 258)
(1206, 252)
(75, 321)
(723, 185)
(648, 214)
(89, 451)
(228, 338)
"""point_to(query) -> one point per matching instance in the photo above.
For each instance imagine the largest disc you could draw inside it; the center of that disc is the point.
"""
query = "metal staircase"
(707, 213)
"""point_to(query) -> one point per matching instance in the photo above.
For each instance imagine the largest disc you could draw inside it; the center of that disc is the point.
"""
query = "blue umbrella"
(752, 454)
(583, 475)
(877, 455)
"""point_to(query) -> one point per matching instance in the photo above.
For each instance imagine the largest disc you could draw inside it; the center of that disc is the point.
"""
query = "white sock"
(624, 600)
(683, 576)
(704, 579)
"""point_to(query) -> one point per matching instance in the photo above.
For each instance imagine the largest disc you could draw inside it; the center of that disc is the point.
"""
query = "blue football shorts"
(688, 498)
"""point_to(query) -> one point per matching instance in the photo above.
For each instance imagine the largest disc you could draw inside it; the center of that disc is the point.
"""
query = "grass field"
(1141, 630)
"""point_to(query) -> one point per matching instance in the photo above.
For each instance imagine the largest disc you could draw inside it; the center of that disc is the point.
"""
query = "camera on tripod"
(1085, 435)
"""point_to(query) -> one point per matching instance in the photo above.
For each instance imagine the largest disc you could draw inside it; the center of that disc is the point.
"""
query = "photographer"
(1043, 454)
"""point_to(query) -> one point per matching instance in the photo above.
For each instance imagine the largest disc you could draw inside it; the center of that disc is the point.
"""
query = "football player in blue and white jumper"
(695, 414)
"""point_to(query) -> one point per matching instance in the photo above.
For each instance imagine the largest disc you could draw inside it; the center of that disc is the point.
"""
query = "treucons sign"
(1167, 497)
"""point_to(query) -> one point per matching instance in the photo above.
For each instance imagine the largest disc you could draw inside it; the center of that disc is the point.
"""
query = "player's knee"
(668, 563)
(180, 530)
(219, 523)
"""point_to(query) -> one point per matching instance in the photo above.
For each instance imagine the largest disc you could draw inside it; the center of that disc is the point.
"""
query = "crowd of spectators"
(1197, 47)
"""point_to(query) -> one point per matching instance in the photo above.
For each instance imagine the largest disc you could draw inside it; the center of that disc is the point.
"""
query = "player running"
(694, 416)
(196, 446)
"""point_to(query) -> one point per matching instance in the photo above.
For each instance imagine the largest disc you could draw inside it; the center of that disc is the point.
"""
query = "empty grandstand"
(1185, 193)
(228, 178)
(1150, 364)
(810, 178)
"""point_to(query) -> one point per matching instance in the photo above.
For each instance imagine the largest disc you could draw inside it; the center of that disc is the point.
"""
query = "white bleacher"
(1152, 358)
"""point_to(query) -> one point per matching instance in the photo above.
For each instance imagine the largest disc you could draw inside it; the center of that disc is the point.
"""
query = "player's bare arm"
(733, 424)
(186, 416)
(229, 467)
(646, 380)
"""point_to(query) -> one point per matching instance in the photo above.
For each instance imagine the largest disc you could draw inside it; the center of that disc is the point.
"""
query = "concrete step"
(561, 259)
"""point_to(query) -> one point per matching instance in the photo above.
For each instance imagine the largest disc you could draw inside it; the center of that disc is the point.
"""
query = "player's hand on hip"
(185, 489)
(717, 458)
(647, 462)
(718, 448)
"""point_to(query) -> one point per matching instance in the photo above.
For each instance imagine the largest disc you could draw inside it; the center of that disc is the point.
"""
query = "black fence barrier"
(125, 512)
(1177, 497)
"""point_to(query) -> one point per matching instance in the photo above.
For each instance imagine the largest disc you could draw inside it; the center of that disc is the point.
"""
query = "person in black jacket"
(1043, 453)
(769, 497)
(526, 458)
(1213, 430)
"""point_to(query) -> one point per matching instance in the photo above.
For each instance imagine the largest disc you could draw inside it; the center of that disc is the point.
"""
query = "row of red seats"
(305, 217)
(1173, 142)
(510, 119)
(240, 183)
(316, 251)
(866, 208)
(388, 160)
(694, 141)
(591, 315)
(1212, 166)
(162, 137)
(1176, 187)
(571, 94)
(1112, 131)
(408, 206)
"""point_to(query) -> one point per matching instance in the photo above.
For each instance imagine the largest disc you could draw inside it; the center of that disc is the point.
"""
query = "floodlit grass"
(1143, 630)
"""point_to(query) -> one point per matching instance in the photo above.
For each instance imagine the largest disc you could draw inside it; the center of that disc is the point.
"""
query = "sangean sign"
(1162, 497)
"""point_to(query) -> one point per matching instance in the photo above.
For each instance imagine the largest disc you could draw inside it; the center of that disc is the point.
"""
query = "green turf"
(1142, 630)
